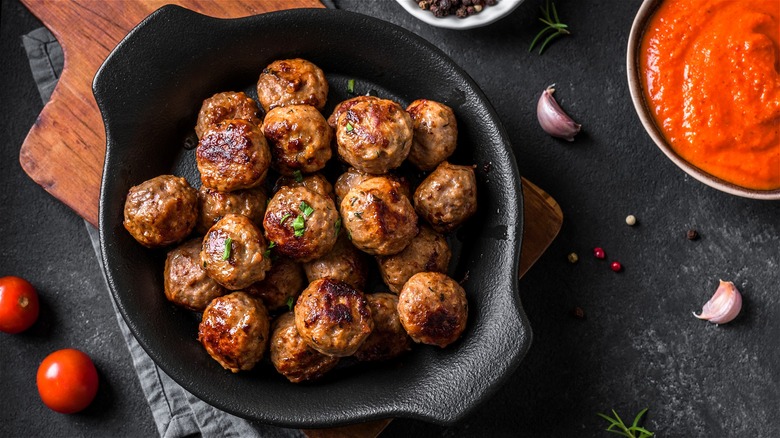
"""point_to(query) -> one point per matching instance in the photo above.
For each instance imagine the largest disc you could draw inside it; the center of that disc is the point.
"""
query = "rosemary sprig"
(553, 23)
(617, 426)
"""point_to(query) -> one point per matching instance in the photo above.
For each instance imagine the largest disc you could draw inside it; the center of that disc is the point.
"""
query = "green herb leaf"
(271, 245)
(267, 253)
(351, 86)
(284, 218)
(299, 225)
(338, 226)
(228, 247)
(290, 303)
(306, 209)
(349, 127)
(617, 426)
(552, 23)
(298, 176)
(358, 214)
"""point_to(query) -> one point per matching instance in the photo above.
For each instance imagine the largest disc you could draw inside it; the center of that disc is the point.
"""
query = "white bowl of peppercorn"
(459, 14)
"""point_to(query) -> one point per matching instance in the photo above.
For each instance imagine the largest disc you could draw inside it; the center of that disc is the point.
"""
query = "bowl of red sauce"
(704, 77)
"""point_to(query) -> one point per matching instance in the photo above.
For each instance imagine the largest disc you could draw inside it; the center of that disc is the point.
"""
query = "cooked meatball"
(161, 211)
(380, 220)
(374, 135)
(302, 223)
(353, 177)
(186, 283)
(234, 331)
(283, 282)
(447, 197)
(293, 357)
(292, 82)
(435, 133)
(233, 252)
(314, 182)
(333, 317)
(344, 262)
(388, 339)
(428, 252)
(433, 308)
(299, 138)
(234, 155)
(214, 205)
(345, 105)
(224, 106)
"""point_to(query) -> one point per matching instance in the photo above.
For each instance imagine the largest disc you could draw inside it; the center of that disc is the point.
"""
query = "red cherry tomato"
(67, 381)
(18, 305)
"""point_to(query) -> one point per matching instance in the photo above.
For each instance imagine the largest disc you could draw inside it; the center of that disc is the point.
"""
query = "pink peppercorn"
(616, 266)
(599, 253)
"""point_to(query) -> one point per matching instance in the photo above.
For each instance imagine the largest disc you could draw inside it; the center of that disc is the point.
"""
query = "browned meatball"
(186, 282)
(224, 106)
(374, 135)
(283, 282)
(302, 223)
(292, 82)
(333, 317)
(299, 138)
(388, 339)
(428, 252)
(379, 218)
(214, 205)
(345, 105)
(353, 177)
(161, 211)
(314, 182)
(233, 155)
(344, 262)
(435, 133)
(447, 197)
(233, 252)
(293, 357)
(433, 308)
(234, 331)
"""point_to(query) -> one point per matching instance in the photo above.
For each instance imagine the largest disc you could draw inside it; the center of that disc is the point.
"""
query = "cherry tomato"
(67, 381)
(18, 305)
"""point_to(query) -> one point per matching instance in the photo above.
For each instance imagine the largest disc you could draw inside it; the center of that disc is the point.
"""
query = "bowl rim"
(636, 89)
(103, 89)
(488, 15)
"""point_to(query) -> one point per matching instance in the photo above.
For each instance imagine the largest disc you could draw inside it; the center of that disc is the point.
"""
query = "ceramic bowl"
(488, 15)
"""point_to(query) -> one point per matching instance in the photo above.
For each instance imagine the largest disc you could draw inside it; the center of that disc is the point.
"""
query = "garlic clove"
(553, 119)
(724, 306)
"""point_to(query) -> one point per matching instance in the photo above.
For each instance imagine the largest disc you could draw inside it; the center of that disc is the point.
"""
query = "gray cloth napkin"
(176, 412)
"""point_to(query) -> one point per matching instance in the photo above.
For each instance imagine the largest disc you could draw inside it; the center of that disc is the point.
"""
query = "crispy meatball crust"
(299, 138)
(447, 197)
(283, 282)
(433, 308)
(353, 177)
(388, 339)
(234, 331)
(161, 211)
(345, 105)
(314, 182)
(333, 317)
(292, 82)
(292, 357)
(233, 155)
(435, 133)
(214, 205)
(344, 262)
(428, 252)
(378, 217)
(244, 262)
(186, 283)
(224, 106)
(318, 234)
(374, 135)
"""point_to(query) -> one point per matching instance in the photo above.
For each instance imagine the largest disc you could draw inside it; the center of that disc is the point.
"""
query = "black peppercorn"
(692, 235)
(461, 12)
(578, 313)
(490, 2)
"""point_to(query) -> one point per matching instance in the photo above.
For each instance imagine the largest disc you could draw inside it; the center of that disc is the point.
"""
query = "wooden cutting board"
(64, 150)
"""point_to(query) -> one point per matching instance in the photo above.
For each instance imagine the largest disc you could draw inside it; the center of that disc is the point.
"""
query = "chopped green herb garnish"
(290, 303)
(228, 247)
(298, 176)
(306, 209)
(271, 245)
(349, 127)
(267, 252)
(338, 226)
(284, 218)
(351, 86)
(617, 426)
(299, 224)
(358, 214)
(204, 264)
(349, 235)
(552, 23)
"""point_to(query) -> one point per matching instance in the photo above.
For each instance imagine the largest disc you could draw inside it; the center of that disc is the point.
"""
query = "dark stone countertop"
(638, 345)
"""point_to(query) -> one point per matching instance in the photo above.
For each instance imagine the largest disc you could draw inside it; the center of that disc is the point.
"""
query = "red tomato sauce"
(711, 75)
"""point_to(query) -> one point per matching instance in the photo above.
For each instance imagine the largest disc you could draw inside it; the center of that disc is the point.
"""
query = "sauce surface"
(711, 75)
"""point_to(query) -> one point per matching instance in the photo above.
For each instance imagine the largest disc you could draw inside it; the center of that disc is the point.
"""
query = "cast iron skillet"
(149, 91)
